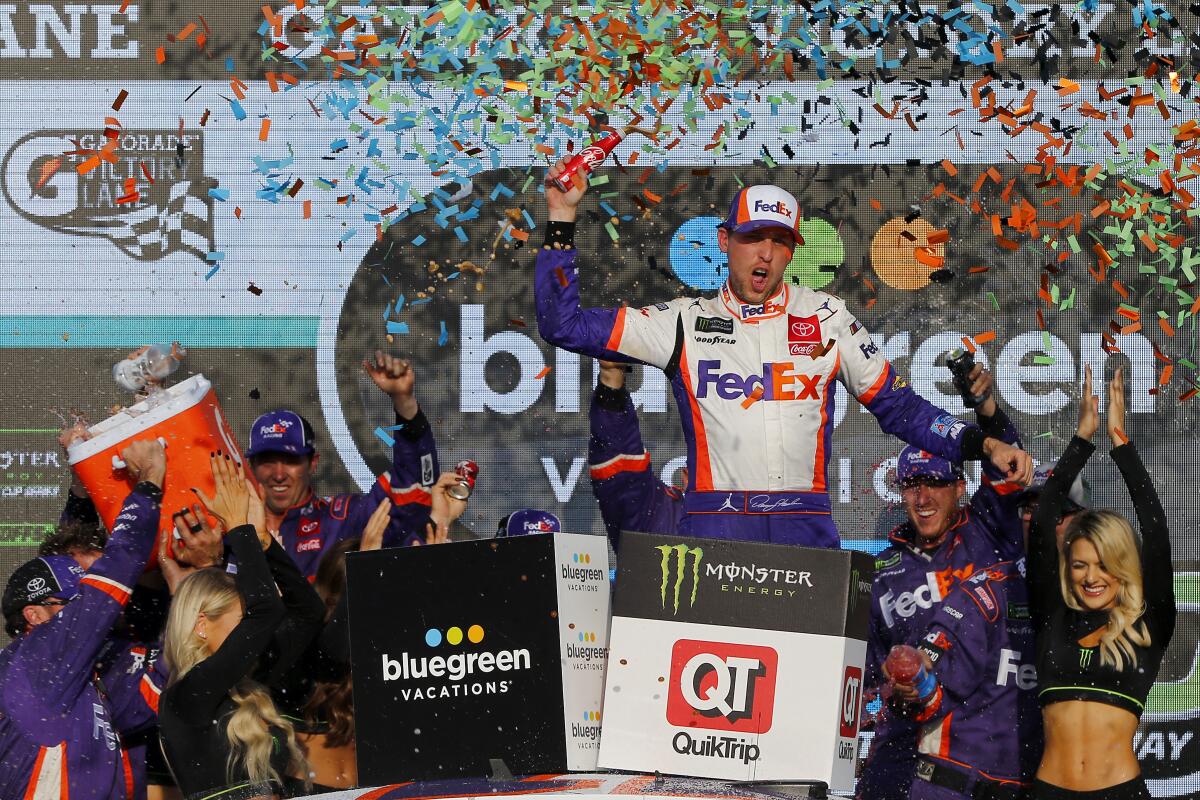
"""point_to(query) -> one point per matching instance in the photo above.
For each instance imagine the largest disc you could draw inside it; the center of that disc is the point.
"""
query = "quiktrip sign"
(736, 660)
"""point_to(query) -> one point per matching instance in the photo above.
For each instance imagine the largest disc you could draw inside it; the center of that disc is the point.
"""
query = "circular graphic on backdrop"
(815, 263)
(697, 260)
(895, 256)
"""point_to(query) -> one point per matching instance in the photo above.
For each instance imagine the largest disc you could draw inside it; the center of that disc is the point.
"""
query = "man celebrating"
(283, 461)
(752, 371)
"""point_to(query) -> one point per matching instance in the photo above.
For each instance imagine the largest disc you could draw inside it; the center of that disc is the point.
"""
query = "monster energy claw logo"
(683, 551)
(1085, 657)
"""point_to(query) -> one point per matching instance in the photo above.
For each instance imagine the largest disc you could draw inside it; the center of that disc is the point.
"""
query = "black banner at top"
(744, 584)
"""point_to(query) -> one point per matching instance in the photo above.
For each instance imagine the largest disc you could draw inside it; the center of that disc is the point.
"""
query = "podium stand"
(473, 651)
(736, 660)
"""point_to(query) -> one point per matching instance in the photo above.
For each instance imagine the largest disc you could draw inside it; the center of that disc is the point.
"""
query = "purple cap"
(42, 578)
(280, 432)
(916, 463)
(764, 206)
(1079, 496)
(528, 520)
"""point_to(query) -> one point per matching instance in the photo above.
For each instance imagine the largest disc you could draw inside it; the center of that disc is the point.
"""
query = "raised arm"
(196, 696)
(1158, 576)
(304, 613)
(1044, 592)
(903, 413)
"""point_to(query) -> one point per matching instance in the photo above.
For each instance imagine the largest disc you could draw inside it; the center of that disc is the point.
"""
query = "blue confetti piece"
(348, 235)
(239, 113)
(461, 234)
(397, 327)
(417, 242)
(400, 304)
(528, 219)
(215, 255)
(212, 272)
(229, 64)
(219, 194)
(444, 336)
(384, 437)
(420, 302)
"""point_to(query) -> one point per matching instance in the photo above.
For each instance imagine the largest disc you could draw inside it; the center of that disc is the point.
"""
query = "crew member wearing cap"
(753, 372)
(941, 543)
(1078, 498)
(59, 730)
(283, 461)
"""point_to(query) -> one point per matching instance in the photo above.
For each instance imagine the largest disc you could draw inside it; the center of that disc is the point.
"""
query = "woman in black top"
(220, 731)
(1104, 618)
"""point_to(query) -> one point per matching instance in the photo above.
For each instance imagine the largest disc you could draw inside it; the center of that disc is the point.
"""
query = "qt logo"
(722, 686)
(851, 702)
(454, 636)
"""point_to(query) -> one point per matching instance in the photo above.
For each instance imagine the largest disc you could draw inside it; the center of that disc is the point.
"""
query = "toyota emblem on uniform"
(804, 335)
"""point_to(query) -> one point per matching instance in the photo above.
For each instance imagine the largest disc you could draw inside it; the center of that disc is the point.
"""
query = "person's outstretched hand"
(1089, 408)
(372, 535)
(563, 206)
(1115, 422)
(1015, 463)
(231, 504)
(199, 544)
(445, 509)
(395, 377)
(146, 460)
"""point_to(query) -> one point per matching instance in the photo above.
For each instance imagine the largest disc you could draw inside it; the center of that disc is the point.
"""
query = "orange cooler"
(188, 419)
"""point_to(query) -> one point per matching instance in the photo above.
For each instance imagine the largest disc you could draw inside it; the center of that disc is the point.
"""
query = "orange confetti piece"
(237, 211)
(1066, 86)
(968, 344)
(754, 397)
(1164, 377)
(543, 373)
(48, 170)
(160, 56)
(1166, 326)
(985, 337)
(947, 165)
(308, 209)
(1188, 395)
(120, 101)
(124, 6)
(86, 166)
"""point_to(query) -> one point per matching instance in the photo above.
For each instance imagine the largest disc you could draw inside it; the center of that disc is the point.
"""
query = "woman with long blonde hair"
(1105, 613)
(221, 732)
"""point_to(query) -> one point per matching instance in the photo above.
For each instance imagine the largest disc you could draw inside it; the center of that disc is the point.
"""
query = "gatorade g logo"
(680, 554)
(851, 702)
(778, 381)
(722, 686)
(773, 208)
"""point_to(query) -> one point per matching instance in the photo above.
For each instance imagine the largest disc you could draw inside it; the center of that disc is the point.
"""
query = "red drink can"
(467, 471)
(586, 159)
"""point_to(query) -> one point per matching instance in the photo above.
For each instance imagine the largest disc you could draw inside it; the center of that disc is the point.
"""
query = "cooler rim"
(112, 430)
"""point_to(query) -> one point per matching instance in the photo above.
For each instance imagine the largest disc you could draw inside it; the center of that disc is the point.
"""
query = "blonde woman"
(1105, 614)
(221, 733)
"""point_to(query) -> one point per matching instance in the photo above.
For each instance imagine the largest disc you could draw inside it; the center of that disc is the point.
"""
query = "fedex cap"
(280, 432)
(916, 463)
(1079, 496)
(528, 520)
(41, 579)
(764, 206)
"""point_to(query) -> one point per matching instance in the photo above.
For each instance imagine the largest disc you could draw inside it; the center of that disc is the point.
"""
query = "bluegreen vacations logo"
(584, 654)
(680, 554)
(580, 575)
(441, 677)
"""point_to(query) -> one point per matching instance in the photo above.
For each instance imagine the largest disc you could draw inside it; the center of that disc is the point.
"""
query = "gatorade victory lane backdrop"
(296, 303)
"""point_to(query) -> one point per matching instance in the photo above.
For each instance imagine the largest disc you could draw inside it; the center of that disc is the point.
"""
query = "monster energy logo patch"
(682, 551)
(1085, 657)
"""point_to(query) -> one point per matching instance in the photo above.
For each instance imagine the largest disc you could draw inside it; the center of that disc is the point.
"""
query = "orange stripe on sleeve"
(622, 463)
(614, 338)
(150, 693)
(110, 587)
(866, 397)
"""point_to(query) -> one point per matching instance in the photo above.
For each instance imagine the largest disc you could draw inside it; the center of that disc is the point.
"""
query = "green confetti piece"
(1074, 243)
(597, 180)
(612, 231)
(1185, 362)
(1043, 360)
(1045, 435)
(1069, 302)
(1046, 341)
(995, 302)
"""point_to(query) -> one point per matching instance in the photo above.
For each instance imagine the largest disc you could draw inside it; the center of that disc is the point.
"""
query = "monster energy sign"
(680, 554)
(745, 584)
